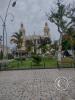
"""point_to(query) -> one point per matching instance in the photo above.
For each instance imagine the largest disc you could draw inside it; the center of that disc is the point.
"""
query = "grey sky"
(31, 13)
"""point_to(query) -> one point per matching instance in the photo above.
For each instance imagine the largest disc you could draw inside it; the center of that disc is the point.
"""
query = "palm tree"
(17, 39)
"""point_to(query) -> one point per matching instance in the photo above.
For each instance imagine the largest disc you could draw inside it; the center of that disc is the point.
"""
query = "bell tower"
(22, 29)
(46, 30)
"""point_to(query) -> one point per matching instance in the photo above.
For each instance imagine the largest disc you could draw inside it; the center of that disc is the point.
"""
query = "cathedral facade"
(31, 43)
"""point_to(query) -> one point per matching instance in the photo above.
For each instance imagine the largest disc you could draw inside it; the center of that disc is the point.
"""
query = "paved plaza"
(43, 84)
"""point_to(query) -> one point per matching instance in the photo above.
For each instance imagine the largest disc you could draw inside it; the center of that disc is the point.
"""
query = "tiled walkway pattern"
(36, 85)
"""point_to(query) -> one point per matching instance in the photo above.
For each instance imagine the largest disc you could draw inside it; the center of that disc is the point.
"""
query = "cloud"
(32, 13)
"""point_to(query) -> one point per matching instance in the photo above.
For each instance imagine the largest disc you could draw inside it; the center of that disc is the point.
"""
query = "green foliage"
(26, 64)
(62, 16)
(36, 59)
(10, 56)
(66, 44)
(17, 38)
(55, 45)
(20, 58)
(71, 33)
(43, 48)
(29, 46)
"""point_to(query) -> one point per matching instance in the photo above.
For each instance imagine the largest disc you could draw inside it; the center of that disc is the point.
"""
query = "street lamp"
(4, 22)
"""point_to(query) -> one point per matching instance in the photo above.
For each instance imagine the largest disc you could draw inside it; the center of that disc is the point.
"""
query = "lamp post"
(4, 23)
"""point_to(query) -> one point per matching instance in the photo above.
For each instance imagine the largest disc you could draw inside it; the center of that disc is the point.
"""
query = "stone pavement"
(37, 85)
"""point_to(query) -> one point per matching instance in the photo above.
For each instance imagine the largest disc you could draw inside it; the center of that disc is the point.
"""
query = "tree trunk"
(60, 48)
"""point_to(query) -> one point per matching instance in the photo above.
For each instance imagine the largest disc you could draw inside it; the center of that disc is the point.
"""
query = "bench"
(66, 61)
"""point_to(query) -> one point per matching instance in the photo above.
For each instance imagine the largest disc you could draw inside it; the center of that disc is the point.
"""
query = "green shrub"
(10, 56)
(20, 58)
(36, 59)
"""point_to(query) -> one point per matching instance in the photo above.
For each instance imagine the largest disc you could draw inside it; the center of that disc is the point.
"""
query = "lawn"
(28, 64)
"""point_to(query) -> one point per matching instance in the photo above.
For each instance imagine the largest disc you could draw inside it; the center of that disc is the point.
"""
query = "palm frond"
(17, 38)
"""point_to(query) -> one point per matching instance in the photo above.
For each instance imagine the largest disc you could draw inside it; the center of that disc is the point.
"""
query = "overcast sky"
(32, 13)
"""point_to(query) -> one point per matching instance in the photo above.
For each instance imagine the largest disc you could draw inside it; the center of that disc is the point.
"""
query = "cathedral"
(30, 43)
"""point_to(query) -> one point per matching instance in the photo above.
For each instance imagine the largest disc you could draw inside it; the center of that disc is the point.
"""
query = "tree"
(36, 59)
(71, 33)
(66, 44)
(17, 39)
(62, 16)
(29, 45)
(43, 48)
(45, 45)
(55, 45)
